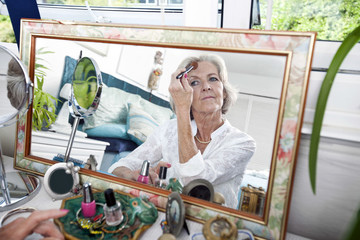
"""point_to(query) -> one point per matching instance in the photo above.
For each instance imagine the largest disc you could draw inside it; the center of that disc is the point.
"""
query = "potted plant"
(348, 43)
(44, 104)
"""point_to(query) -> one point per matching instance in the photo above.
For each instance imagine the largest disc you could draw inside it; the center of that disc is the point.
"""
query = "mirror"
(61, 180)
(269, 107)
(16, 96)
(258, 103)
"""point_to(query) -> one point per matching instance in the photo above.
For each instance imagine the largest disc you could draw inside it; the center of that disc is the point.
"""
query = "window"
(331, 19)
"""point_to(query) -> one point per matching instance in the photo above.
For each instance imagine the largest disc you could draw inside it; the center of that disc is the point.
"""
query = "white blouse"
(222, 163)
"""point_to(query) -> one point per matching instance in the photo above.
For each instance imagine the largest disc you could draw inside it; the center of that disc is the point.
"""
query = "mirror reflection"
(14, 90)
(85, 83)
(136, 100)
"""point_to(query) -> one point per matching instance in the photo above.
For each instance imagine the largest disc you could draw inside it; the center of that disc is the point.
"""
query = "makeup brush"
(192, 66)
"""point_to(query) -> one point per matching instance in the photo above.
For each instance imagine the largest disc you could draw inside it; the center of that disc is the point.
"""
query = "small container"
(161, 181)
(144, 173)
(112, 209)
(88, 205)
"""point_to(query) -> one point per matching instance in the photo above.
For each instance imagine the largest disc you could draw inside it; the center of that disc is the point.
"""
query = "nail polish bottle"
(112, 209)
(161, 181)
(88, 205)
(144, 173)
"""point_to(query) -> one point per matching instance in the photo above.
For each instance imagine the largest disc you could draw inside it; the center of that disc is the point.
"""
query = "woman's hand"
(181, 92)
(37, 222)
(154, 172)
(125, 172)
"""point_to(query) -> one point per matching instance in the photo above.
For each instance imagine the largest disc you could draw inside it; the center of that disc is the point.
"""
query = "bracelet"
(79, 211)
(120, 228)
(14, 212)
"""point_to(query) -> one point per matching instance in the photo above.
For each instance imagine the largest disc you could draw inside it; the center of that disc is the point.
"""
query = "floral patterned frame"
(299, 47)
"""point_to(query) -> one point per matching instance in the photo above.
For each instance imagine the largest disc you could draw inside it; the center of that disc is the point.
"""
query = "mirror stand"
(17, 188)
(70, 165)
(62, 179)
(16, 95)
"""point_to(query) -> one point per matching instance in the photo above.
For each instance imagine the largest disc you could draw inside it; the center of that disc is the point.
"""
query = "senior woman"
(200, 143)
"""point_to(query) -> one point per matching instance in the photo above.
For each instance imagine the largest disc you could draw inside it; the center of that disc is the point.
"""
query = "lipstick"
(144, 173)
(88, 205)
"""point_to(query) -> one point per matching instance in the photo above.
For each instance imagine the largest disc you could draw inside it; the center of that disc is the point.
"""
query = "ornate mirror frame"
(296, 46)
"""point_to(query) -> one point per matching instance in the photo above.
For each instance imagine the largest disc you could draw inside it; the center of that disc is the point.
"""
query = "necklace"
(202, 141)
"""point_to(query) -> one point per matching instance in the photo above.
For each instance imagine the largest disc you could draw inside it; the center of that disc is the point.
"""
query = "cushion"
(117, 144)
(159, 113)
(140, 124)
(112, 108)
(109, 130)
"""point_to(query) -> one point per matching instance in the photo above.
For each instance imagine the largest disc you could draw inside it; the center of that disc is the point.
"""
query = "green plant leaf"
(348, 43)
(354, 229)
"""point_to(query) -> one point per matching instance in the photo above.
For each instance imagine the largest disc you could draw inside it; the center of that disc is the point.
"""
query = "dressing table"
(43, 201)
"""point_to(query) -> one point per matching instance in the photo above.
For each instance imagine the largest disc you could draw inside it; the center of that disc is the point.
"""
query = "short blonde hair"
(229, 91)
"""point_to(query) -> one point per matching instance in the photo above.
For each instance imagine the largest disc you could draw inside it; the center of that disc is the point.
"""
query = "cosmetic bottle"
(88, 205)
(161, 181)
(112, 209)
(144, 173)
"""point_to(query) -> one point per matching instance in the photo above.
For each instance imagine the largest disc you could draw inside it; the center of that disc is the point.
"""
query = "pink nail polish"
(88, 205)
(64, 210)
(169, 165)
(144, 173)
(185, 75)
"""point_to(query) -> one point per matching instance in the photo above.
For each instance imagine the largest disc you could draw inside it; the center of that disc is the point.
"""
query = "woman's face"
(208, 90)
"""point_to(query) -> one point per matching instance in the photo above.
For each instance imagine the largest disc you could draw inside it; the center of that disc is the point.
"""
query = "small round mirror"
(86, 88)
(16, 97)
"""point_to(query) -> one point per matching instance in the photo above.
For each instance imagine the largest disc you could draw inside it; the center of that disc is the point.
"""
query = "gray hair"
(229, 91)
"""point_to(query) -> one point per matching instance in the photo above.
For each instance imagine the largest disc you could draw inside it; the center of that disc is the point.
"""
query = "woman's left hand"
(37, 222)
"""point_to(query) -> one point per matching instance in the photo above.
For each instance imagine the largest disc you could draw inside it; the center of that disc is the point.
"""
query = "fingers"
(153, 176)
(162, 164)
(48, 230)
(22, 227)
(175, 84)
(37, 217)
(185, 83)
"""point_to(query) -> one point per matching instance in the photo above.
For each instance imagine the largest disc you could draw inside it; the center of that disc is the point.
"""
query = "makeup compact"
(199, 188)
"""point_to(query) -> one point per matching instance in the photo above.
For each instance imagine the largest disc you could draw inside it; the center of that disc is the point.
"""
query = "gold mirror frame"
(296, 46)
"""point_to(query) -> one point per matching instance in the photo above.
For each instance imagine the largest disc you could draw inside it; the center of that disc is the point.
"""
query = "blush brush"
(190, 67)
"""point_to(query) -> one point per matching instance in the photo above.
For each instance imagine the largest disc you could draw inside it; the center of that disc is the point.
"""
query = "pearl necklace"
(202, 141)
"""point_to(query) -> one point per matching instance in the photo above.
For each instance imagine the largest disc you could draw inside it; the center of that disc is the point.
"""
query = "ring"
(120, 228)
(14, 212)
(78, 211)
